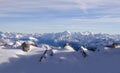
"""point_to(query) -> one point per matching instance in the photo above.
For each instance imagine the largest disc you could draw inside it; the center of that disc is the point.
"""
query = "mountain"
(76, 39)
(69, 47)
(62, 52)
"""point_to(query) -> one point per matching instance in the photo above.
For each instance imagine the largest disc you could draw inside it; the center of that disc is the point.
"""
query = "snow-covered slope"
(62, 61)
(52, 56)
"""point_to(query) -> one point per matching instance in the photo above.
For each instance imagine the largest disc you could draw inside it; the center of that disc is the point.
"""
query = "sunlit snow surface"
(63, 61)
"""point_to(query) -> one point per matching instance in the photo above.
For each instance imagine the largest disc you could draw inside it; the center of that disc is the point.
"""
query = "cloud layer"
(31, 8)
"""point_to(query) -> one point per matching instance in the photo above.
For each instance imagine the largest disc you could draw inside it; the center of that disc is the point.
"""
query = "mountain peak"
(86, 33)
(67, 32)
(67, 46)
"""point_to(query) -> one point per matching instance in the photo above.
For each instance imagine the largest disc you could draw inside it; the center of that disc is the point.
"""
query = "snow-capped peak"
(86, 33)
(67, 32)
(68, 47)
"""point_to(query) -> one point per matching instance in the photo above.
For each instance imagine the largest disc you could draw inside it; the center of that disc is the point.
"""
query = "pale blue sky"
(41, 16)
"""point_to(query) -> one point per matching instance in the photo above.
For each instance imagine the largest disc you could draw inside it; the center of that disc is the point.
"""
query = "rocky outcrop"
(25, 47)
(114, 45)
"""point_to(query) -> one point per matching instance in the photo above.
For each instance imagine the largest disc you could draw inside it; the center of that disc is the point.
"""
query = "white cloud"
(98, 20)
(105, 6)
(82, 4)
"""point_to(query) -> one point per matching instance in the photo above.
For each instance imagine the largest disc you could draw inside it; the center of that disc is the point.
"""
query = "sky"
(44, 16)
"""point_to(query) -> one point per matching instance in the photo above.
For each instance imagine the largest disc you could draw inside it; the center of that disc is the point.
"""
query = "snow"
(69, 48)
(6, 54)
(83, 48)
(64, 59)
(33, 39)
(17, 61)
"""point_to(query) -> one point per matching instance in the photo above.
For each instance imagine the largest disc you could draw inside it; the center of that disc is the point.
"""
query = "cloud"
(99, 20)
(32, 8)
(59, 4)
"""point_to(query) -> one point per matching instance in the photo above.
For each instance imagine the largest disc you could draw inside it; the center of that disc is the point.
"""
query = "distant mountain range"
(76, 39)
